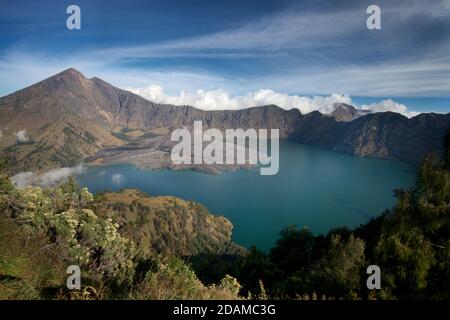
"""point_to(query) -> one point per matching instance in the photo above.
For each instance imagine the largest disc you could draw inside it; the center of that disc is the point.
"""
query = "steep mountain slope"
(61, 123)
(67, 118)
(385, 135)
(128, 110)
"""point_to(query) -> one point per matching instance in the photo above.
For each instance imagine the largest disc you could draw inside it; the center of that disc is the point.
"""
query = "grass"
(28, 268)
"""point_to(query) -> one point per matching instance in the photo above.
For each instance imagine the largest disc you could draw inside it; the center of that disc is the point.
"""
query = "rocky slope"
(346, 112)
(168, 225)
(385, 135)
(67, 118)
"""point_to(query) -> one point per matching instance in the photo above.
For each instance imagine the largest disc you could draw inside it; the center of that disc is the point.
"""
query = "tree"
(5, 183)
(253, 269)
(294, 249)
(414, 247)
(339, 271)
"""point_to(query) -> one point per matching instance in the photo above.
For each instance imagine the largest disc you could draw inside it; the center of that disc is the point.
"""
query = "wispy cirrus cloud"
(314, 51)
(425, 77)
(342, 31)
(398, 78)
(279, 32)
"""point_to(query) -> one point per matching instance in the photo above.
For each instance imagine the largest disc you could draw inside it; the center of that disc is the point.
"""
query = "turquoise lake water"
(315, 188)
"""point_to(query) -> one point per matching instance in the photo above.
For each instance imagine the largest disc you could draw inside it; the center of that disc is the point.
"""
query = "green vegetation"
(130, 246)
(410, 244)
(42, 231)
(167, 225)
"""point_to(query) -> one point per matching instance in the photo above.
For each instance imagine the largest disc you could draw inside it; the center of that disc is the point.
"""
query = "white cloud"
(47, 179)
(22, 137)
(389, 105)
(220, 99)
(117, 178)
(305, 104)
(57, 176)
(24, 179)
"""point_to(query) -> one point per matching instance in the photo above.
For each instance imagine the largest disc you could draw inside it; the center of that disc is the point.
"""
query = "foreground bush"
(42, 231)
(174, 280)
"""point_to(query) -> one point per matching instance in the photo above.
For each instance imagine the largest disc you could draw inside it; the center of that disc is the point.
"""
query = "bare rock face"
(68, 118)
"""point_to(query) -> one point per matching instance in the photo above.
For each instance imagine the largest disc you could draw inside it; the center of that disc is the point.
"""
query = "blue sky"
(233, 54)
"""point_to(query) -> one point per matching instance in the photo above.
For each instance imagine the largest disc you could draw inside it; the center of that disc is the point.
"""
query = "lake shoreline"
(316, 188)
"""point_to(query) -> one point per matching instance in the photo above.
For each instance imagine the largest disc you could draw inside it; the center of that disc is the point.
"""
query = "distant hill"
(67, 118)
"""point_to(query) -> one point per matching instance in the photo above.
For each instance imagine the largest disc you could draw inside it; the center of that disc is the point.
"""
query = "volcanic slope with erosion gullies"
(68, 118)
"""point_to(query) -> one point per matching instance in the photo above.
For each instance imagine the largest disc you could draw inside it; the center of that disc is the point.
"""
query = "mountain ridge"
(68, 117)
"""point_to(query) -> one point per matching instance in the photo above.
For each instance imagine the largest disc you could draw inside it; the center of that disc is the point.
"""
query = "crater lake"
(315, 188)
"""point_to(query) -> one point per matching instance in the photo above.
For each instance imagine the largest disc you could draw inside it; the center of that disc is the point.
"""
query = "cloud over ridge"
(220, 99)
